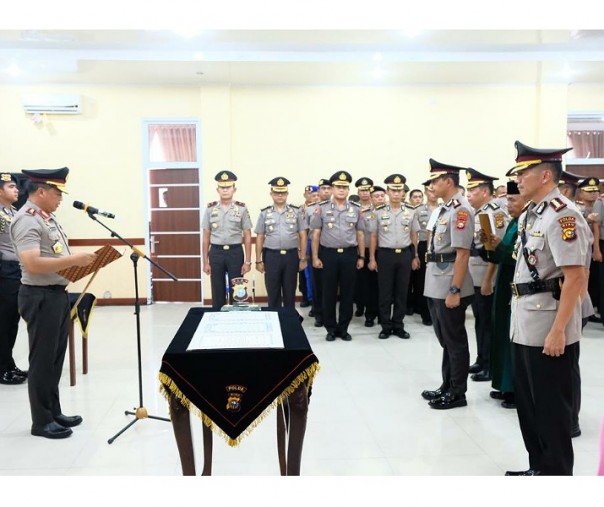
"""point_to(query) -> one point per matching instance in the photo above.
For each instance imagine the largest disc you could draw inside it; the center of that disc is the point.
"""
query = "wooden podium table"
(233, 390)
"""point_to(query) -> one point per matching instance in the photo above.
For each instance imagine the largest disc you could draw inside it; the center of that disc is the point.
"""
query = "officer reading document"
(43, 250)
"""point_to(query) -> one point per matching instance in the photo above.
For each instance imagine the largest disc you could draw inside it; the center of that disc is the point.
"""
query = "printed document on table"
(238, 330)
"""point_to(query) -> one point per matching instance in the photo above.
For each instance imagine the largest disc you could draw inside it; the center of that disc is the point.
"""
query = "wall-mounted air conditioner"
(52, 103)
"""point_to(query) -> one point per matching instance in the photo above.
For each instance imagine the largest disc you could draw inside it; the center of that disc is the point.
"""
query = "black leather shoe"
(10, 378)
(593, 318)
(369, 323)
(409, 311)
(330, 337)
(475, 368)
(318, 323)
(304, 304)
(576, 432)
(384, 334)
(69, 421)
(359, 312)
(433, 395)
(346, 337)
(530, 471)
(401, 333)
(497, 395)
(20, 372)
(51, 430)
(481, 376)
(427, 322)
(508, 404)
(448, 400)
(311, 313)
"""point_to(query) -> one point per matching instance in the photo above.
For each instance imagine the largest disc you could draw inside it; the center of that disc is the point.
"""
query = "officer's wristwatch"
(454, 289)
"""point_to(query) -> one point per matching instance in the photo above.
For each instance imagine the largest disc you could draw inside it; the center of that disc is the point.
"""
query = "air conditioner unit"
(52, 103)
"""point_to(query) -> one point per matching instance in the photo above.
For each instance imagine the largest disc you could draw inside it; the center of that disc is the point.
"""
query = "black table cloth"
(232, 390)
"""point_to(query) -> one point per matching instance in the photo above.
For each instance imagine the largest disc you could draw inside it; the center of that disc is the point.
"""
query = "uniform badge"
(57, 248)
(270, 228)
(462, 220)
(214, 225)
(330, 225)
(499, 220)
(569, 229)
(532, 259)
(235, 397)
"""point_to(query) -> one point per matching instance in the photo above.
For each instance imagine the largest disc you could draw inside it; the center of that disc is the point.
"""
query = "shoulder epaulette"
(213, 203)
(381, 206)
(410, 206)
(323, 202)
(294, 206)
(557, 204)
(239, 203)
(269, 206)
(526, 206)
(493, 205)
(355, 204)
(580, 203)
(456, 203)
(30, 211)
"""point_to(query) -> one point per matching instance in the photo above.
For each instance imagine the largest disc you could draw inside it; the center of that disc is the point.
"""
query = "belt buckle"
(340, 250)
(282, 252)
(441, 258)
(398, 250)
(426, 258)
(514, 290)
(226, 247)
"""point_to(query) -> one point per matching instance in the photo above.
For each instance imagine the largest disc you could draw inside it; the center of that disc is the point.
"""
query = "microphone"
(92, 211)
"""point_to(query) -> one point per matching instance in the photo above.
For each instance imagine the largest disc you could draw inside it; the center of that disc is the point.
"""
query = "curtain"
(586, 143)
(173, 143)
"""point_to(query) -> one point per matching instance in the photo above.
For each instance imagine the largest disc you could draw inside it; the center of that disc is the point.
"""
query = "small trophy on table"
(240, 296)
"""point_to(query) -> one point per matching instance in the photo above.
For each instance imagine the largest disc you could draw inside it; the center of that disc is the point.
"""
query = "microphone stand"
(141, 411)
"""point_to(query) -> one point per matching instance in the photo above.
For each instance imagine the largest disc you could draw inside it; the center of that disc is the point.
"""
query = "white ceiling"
(301, 57)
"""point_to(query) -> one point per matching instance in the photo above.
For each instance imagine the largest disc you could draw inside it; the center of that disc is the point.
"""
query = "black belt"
(446, 257)
(395, 250)
(340, 250)
(525, 289)
(283, 251)
(9, 263)
(225, 247)
(474, 252)
(47, 287)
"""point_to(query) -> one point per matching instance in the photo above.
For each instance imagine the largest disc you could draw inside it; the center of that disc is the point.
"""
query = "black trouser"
(394, 270)
(46, 311)
(416, 299)
(339, 271)
(222, 262)
(483, 320)
(594, 286)
(280, 276)
(544, 398)
(366, 290)
(601, 280)
(576, 389)
(317, 293)
(302, 284)
(449, 326)
(9, 321)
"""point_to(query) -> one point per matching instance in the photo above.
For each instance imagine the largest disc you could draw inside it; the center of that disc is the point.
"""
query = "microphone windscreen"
(78, 205)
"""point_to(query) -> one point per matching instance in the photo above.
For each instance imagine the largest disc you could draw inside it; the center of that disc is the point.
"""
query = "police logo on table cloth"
(569, 229)
(234, 397)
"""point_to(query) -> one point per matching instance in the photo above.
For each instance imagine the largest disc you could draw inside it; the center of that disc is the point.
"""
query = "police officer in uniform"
(423, 210)
(10, 282)
(224, 223)
(304, 282)
(449, 286)
(338, 249)
(480, 196)
(549, 278)
(281, 234)
(366, 287)
(324, 194)
(41, 245)
(393, 253)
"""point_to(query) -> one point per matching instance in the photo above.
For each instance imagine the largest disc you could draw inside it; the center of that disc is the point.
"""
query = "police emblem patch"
(499, 220)
(532, 259)
(569, 229)
(461, 220)
(239, 289)
(234, 397)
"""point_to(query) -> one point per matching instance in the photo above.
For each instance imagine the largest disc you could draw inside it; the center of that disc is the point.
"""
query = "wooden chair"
(81, 309)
